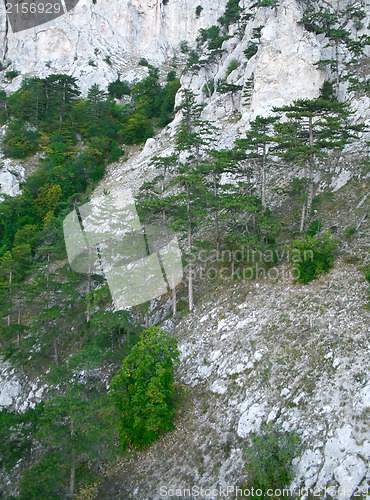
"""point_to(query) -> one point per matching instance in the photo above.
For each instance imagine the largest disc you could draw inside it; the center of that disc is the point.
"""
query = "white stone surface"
(11, 174)
(251, 419)
(123, 30)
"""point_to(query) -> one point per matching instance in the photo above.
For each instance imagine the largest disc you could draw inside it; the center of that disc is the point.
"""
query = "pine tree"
(258, 145)
(314, 128)
(96, 99)
(194, 137)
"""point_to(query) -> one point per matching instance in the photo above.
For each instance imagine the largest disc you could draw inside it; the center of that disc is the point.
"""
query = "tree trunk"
(303, 217)
(56, 355)
(72, 480)
(88, 311)
(263, 178)
(310, 190)
(19, 322)
(72, 476)
(310, 170)
(10, 294)
(337, 67)
(190, 267)
(217, 228)
(171, 278)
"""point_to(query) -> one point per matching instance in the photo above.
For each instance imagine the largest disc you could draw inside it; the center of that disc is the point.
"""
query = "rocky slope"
(264, 351)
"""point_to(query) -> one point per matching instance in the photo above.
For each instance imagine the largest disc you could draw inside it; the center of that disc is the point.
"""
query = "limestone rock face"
(11, 174)
(78, 42)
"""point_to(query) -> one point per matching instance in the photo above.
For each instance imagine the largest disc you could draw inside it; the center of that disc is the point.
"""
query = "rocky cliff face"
(78, 42)
(232, 359)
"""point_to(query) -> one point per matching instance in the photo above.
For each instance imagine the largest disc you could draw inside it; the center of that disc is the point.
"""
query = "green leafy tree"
(143, 390)
(148, 95)
(19, 140)
(60, 92)
(96, 100)
(73, 430)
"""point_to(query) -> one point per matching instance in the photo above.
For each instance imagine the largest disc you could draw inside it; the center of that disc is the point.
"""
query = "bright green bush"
(143, 390)
(312, 256)
(269, 458)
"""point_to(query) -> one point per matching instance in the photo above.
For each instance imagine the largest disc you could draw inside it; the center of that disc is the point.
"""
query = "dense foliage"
(315, 257)
(269, 459)
(143, 390)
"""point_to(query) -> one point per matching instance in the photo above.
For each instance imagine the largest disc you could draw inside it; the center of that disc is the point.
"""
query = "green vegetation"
(251, 50)
(143, 390)
(234, 64)
(198, 10)
(269, 458)
(232, 14)
(351, 52)
(315, 257)
(216, 200)
(52, 318)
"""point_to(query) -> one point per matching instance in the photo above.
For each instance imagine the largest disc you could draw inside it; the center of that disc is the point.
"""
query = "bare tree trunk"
(10, 294)
(72, 480)
(310, 190)
(88, 311)
(72, 476)
(337, 67)
(56, 354)
(263, 178)
(172, 277)
(19, 322)
(217, 228)
(303, 216)
(190, 266)
(310, 172)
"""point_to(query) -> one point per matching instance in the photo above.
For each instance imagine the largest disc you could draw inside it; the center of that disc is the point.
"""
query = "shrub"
(251, 50)
(119, 88)
(232, 13)
(143, 62)
(267, 3)
(10, 75)
(171, 75)
(143, 390)
(198, 10)
(313, 256)
(193, 59)
(19, 141)
(184, 46)
(349, 232)
(315, 228)
(233, 65)
(268, 459)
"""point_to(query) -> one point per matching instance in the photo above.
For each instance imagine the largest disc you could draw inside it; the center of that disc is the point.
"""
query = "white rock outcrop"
(79, 42)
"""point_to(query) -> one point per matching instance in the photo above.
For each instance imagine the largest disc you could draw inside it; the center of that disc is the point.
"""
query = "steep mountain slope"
(253, 351)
